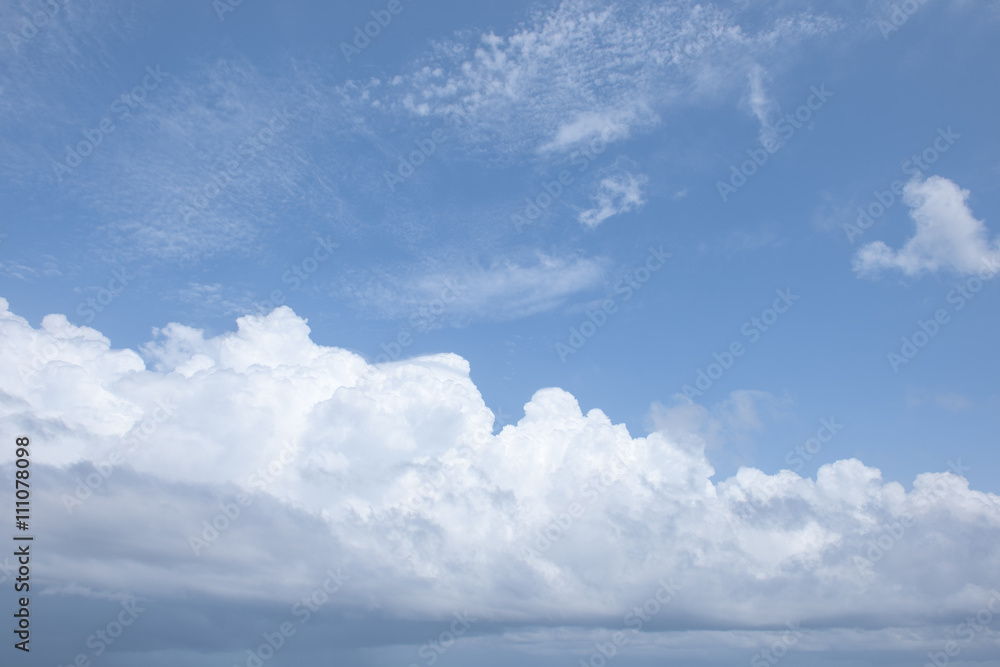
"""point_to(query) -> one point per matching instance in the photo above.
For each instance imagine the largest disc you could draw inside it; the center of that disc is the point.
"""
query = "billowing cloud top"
(394, 474)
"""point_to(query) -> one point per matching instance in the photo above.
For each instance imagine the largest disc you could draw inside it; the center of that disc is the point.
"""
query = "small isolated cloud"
(948, 236)
(618, 193)
(608, 126)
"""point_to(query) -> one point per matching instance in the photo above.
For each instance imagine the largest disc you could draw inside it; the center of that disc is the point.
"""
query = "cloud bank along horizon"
(394, 473)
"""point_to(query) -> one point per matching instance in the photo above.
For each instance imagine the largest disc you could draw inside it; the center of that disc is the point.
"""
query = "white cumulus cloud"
(394, 474)
(948, 236)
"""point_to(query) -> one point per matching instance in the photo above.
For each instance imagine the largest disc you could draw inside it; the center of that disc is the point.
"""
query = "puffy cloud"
(393, 473)
(947, 235)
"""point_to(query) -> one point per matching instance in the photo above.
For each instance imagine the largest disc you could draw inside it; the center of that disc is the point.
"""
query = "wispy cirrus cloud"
(164, 186)
(763, 106)
(500, 290)
(581, 70)
(620, 191)
(205, 163)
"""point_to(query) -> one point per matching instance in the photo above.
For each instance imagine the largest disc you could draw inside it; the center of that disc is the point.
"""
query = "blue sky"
(757, 240)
